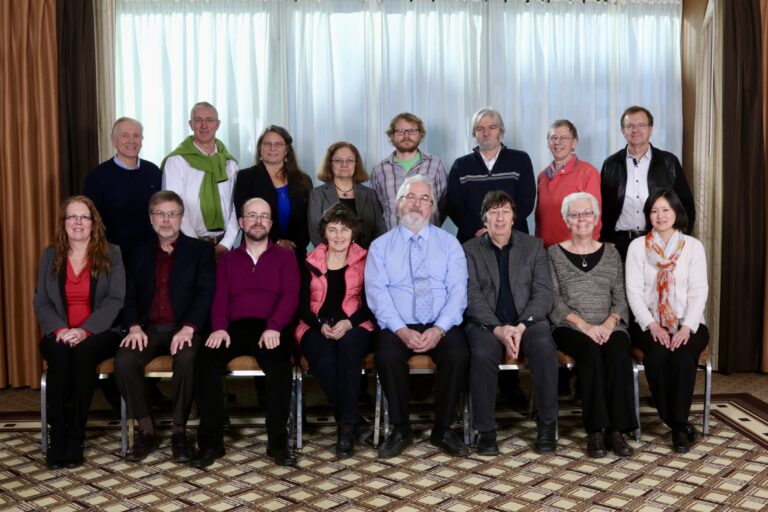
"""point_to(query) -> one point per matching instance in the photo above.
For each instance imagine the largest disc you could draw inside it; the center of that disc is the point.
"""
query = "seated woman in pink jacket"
(335, 331)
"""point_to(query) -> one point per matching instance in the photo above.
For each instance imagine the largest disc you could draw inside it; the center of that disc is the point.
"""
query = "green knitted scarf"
(215, 169)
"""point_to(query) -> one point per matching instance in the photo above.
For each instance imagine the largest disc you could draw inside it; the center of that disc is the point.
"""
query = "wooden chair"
(302, 370)
(704, 365)
(104, 370)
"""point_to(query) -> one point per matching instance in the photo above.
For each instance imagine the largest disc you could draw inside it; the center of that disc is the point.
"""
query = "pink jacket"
(318, 285)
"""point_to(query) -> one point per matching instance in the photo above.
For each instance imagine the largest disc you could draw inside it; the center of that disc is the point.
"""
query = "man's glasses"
(171, 214)
(262, 217)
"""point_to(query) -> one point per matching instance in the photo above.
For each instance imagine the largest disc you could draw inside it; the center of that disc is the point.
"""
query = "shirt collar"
(122, 164)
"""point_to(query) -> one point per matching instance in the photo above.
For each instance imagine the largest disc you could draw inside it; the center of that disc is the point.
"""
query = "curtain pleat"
(29, 182)
(743, 243)
(104, 15)
(764, 67)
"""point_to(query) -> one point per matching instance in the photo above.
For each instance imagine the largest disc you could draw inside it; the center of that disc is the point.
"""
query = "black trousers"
(605, 373)
(212, 365)
(671, 374)
(488, 352)
(337, 365)
(71, 380)
(451, 355)
(129, 373)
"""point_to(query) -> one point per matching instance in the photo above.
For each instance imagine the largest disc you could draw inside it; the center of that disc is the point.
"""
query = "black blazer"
(665, 171)
(193, 282)
(366, 203)
(255, 182)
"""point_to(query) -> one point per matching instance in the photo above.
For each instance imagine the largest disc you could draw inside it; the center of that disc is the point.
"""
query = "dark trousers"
(452, 359)
(212, 365)
(605, 376)
(337, 365)
(671, 374)
(129, 373)
(488, 352)
(71, 380)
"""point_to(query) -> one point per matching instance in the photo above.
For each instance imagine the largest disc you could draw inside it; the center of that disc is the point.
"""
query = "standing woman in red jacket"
(335, 331)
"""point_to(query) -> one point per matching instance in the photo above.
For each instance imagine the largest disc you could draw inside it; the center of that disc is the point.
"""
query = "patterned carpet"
(727, 470)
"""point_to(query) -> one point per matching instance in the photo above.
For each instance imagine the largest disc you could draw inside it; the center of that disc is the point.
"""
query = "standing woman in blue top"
(278, 179)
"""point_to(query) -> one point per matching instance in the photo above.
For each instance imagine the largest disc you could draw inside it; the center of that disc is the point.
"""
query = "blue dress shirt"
(389, 286)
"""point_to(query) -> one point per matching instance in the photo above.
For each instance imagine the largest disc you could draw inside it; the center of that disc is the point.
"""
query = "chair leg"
(299, 408)
(467, 420)
(43, 415)
(377, 413)
(124, 427)
(707, 394)
(635, 372)
(292, 408)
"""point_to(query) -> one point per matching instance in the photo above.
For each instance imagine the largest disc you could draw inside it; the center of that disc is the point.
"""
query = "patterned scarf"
(665, 280)
(551, 171)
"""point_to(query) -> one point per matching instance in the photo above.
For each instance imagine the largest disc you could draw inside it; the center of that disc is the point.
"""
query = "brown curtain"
(743, 272)
(29, 176)
(764, 67)
(78, 126)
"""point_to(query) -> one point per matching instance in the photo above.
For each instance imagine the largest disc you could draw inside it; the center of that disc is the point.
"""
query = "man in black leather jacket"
(630, 175)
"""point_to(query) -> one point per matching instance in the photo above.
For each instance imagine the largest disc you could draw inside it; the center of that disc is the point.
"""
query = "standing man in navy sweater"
(121, 187)
(490, 166)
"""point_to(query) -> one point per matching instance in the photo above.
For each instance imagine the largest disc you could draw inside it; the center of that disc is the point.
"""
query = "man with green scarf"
(202, 172)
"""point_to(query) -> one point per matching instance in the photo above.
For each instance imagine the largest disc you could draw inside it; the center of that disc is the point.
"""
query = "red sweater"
(576, 176)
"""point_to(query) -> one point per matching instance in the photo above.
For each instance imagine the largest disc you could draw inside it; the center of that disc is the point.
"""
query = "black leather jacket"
(664, 172)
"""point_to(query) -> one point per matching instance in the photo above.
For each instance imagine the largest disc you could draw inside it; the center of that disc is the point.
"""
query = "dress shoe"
(73, 456)
(616, 442)
(206, 457)
(282, 455)
(345, 441)
(143, 445)
(450, 443)
(181, 451)
(486, 443)
(54, 456)
(680, 442)
(596, 445)
(394, 444)
(692, 433)
(545, 438)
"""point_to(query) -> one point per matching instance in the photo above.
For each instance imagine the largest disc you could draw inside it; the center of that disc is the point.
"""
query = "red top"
(161, 312)
(576, 176)
(77, 291)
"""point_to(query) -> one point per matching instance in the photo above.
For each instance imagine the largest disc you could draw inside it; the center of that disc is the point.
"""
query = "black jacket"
(664, 172)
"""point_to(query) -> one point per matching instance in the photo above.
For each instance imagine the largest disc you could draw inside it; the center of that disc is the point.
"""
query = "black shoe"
(486, 443)
(54, 456)
(143, 445)
(73, 456)
(615, 441)
(545, 438)
(450, 442)
(53, 462)
(206, 457)
(282, 455)
(181, 451)
(345, 441)
(596, 445)
(680, 442)
(394, 444)
(692, 433)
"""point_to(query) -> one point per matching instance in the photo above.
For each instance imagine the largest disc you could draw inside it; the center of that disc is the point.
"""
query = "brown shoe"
(181, 451)
(616, 442)
(142, 447)
(596, 445)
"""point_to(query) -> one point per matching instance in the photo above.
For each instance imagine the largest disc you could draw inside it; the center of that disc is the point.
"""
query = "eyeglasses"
(171, 214)
(261, 217)
(413, 198)
(639, 126)
(343, 161)
(273, 145)
(206, 120)
(78, 218)
(554, 140)
(586, 214)
(409, 131)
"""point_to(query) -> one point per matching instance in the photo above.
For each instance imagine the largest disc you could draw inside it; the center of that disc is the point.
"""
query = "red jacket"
(318, 285)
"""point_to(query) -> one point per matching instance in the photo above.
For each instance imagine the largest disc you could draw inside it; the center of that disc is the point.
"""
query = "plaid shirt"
(388, 175)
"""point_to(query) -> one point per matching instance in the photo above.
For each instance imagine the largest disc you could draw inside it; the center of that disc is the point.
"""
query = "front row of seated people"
(468, 308)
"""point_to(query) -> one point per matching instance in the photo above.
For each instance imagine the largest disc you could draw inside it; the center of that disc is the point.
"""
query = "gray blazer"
(529, 279)
(368, 211)
(107, 293)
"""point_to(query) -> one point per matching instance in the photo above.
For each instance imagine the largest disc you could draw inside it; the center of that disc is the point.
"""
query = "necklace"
(583, 260)
(344, 193)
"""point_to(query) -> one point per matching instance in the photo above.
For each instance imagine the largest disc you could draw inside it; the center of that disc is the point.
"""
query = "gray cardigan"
(592, 295)
(366, 203)
(107, 293)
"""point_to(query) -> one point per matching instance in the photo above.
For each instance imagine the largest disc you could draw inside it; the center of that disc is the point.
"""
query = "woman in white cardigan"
(667, 290)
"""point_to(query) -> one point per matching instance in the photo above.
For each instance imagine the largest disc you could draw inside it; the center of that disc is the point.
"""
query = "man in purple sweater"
(257, 290)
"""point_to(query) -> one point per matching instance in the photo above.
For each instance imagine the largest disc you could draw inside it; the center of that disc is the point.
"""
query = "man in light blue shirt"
(416, 285)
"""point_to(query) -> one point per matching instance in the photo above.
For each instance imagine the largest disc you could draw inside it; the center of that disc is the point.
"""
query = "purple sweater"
(268, 290)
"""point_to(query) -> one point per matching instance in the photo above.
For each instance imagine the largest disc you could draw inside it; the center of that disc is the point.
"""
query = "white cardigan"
(691, 287)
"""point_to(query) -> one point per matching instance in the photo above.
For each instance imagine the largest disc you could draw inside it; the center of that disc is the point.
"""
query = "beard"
(254, 236)
(489, 144)
(407, 145)
(413, 222)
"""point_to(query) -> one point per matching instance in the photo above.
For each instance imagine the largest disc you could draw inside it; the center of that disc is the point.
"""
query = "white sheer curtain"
(329, 70)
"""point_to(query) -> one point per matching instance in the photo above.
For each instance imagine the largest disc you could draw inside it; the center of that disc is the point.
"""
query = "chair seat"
(564, 359)
(106, 367)
(421, 362)
(160, 364)
(243, 364)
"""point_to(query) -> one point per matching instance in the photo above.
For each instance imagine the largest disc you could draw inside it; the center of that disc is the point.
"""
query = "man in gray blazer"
(509, 297)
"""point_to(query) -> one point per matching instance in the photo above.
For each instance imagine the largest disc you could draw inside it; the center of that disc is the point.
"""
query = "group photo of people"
(205, 261)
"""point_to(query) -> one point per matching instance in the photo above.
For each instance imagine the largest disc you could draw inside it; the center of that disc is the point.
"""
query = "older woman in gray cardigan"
(590, 325)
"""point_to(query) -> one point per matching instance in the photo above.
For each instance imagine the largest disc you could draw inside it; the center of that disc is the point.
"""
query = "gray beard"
(410, 223)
